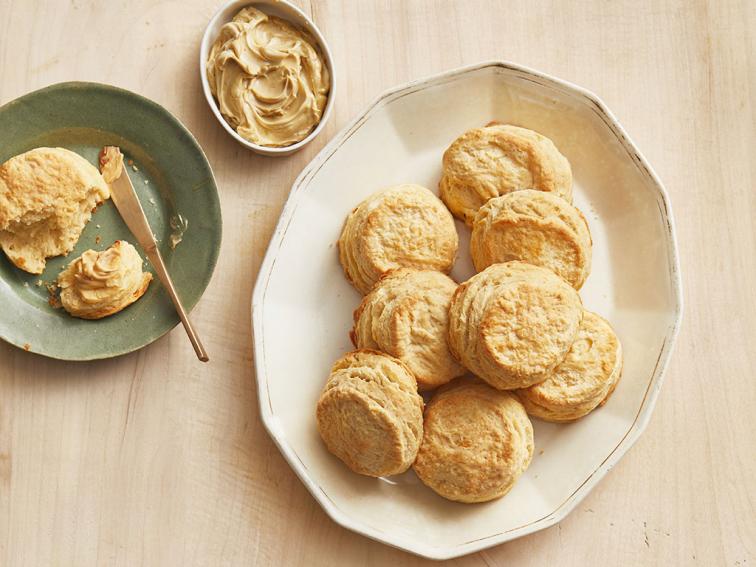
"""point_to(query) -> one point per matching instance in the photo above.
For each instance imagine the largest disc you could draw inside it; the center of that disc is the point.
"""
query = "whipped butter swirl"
(269, 78)
(97, 284)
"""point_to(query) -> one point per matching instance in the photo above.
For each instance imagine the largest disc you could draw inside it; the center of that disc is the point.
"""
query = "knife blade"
(126, 201)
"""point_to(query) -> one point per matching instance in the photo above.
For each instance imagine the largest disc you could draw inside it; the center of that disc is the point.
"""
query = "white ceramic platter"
(302, 305)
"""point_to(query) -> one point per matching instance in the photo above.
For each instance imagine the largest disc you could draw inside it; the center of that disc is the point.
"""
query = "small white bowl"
(285, 11)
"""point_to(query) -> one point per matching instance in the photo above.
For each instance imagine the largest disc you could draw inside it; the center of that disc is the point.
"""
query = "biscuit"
(584, 379)
(512, 323)
(370, 415)
(402, 226)
(98, 284)
(535, 227)
(487, 162)
(477, 442)
(406, 315)
(46, 198)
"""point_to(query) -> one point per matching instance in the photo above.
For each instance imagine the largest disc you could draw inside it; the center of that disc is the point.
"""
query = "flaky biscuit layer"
(583, 380)
(402, 226)
(370, 415)
(406, 315)
(535, 227)
(477, 442)
(512, 323)
(484, 163)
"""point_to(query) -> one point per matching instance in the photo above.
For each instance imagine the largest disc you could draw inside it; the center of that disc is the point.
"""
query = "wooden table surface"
(156, 459)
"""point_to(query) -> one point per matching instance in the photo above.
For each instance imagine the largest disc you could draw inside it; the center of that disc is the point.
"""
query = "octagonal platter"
(302, 305)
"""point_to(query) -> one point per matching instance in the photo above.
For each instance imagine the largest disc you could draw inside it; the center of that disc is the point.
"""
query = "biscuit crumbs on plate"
(53, 300)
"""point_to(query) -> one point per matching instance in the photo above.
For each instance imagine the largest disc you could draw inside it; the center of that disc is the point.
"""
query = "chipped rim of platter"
(647, 405)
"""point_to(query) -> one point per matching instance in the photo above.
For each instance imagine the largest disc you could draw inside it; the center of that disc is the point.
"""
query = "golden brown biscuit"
(487, 162)
(583, 380)
(98, 284)
(402, 226)
(406, 315)
(477, 442)
(535, 227)
(370, 415)
(46, 197)
(512, 323)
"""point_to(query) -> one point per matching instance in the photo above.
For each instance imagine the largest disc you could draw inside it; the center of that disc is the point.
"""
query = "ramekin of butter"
(267, 74)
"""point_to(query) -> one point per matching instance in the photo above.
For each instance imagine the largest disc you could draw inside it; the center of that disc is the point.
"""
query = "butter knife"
(126, 201)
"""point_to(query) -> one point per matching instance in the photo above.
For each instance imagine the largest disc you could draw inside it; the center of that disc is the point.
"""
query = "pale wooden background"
(155, 459)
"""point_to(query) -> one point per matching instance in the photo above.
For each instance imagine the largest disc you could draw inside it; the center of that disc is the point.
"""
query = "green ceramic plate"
(172, 177)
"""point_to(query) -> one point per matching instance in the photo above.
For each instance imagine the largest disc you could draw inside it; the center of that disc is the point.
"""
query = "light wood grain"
(157, 459)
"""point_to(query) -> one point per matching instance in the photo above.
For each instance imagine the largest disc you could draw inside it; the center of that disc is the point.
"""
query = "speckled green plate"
(172, 177)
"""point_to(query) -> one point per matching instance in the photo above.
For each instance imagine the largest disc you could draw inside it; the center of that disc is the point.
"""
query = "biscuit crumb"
(540, 452)
(135, 168)
(53, 301)
(131, 162)
(98, 239)
(27, 347)
(38, 283)
(26, 284)
(98, 226)
(146, 181)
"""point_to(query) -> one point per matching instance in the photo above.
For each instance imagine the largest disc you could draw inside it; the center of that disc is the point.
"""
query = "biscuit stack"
(514, 340)
(370, 414)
